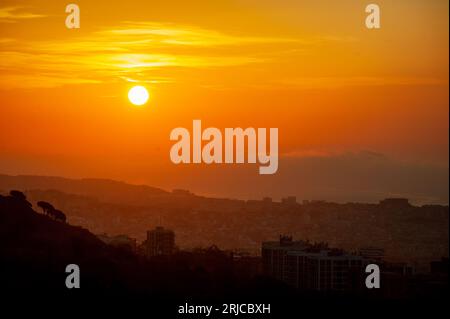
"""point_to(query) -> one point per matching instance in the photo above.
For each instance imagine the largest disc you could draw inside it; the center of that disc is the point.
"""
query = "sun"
(138, 95)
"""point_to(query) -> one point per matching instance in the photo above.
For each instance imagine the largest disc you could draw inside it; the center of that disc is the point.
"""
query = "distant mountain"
(102, 189)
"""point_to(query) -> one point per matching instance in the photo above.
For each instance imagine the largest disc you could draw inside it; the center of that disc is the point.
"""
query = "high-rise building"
(372, 253)
(290, 201)
(274, 252)
(313, 267)
(324, 270)
(160, 241)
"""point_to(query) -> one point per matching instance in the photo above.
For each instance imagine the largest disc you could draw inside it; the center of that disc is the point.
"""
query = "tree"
(45, 206)
(18, 195)
(58, 215)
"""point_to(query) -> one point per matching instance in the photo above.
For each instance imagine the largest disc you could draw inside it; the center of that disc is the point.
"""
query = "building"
(395, 203)
(274, 252)
(439, 267)
(160, 241)
(326, 270)
(372, 253)
(312, 267)
(290, 201)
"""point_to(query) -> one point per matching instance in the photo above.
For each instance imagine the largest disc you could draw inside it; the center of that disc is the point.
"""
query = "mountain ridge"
(103, 189)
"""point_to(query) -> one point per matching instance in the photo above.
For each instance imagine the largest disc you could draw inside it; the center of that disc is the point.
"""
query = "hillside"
(35, 250)
(103, 189)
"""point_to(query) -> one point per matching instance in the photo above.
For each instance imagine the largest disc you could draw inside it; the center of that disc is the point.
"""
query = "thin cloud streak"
(109, 55)
(339, 82)
(138, 51)
(12, 14)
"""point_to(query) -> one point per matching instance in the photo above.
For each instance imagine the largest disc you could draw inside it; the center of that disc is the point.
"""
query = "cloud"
(185, 35)
(148, 51)
(129, 51)
(12, 14)
(6, 40)
(339, 82)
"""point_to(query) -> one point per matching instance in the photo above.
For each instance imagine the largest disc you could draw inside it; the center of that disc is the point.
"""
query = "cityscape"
(408, 233)
(305, 263)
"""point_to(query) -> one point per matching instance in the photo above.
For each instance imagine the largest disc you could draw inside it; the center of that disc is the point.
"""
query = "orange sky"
(310, 68)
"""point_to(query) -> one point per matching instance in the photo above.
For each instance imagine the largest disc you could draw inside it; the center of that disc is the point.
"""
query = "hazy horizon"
(341, 197)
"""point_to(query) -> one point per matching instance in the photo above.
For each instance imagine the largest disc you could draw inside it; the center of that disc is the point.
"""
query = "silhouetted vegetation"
(49, 210)
(41, 247)
(46, 207)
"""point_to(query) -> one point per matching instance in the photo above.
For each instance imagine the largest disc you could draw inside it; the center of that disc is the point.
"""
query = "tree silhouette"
(57, 215)
(51, 211)
(45, 206)
(18, 195)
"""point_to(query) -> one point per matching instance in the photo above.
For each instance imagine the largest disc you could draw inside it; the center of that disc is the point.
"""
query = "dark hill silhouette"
(103, 189)
(35, 250)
